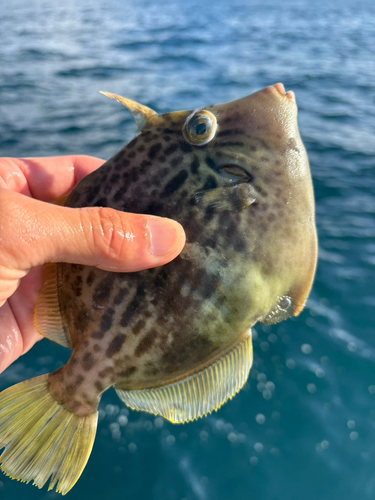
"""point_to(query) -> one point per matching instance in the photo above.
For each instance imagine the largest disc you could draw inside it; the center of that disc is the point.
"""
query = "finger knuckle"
(110, 232)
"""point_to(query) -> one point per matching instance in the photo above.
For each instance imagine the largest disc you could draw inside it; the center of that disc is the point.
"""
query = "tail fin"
(42, 438)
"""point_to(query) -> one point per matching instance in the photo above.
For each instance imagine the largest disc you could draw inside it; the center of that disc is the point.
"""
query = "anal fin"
(47, 315)
(199, 394)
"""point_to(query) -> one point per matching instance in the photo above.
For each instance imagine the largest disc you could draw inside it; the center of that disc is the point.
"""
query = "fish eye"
(200, 127)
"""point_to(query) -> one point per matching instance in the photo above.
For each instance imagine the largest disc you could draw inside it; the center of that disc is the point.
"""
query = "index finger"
(45, 179)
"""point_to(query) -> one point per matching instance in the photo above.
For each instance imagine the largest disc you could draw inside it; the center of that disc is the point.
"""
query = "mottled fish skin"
(244, 261)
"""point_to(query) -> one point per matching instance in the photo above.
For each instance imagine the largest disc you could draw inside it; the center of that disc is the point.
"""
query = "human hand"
(33, 232)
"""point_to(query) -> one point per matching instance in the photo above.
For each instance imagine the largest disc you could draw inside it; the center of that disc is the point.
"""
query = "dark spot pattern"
(102, 202)
(185, 147)
(124, 163)
(118, 196)
(114, 178)
(115, 345)
(121, 294)
(88, 361)
(170, 149)
(81, 319)
(194, 165)
(77, 286)
(154, 208)
(132, 143)
(137, 328)
(103, 290)
(74, 405)
(154, 150)
(175, 162)
(99, 386)
(146, 343)
(161, 278)
(76, 268)
(208, 216)
(70, 389)
(134, 174)
(175, 183)
(106, 372)
(210, 163)
(133, 305)
(210, 182)
(92, 193)
(271, 217)
(128, 372)
(240, 245)
(106, 322)
(145, 164)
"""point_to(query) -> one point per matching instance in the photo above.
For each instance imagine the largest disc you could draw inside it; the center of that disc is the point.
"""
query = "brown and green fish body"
(175, 340)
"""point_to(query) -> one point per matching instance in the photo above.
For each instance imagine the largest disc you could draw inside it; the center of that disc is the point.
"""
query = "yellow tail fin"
(42, 438)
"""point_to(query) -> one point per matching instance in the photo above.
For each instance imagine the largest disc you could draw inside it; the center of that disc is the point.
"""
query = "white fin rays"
(47, 315)
(142, 114)
(199, 394)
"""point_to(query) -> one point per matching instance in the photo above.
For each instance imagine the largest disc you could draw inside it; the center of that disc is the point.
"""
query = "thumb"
(35, 232)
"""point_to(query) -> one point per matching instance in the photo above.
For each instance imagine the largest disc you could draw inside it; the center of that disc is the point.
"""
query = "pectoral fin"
(238, 196)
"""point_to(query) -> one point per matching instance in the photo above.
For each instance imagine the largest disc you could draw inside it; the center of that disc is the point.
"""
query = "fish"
(175, 340)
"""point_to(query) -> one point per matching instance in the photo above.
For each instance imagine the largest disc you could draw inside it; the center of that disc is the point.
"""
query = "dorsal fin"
(199, 394)
(47, 315)
(142, 114)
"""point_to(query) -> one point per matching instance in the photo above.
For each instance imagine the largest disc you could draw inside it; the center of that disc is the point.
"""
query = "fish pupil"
(201, 129)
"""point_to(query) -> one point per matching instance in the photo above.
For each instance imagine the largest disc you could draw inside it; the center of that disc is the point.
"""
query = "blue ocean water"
(304, 425)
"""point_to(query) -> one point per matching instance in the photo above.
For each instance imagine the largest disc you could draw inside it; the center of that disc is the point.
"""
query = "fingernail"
(165, 234)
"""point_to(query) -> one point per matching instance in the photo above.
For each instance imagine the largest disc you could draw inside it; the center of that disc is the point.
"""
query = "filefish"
(175, 340)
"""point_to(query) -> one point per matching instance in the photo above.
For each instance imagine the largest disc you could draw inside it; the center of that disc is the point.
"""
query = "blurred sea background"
(304, 425)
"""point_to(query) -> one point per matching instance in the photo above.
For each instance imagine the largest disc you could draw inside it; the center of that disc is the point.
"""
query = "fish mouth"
(289, 95)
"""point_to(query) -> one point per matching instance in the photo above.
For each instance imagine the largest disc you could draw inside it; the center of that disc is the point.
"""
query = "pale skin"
(33, 232)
